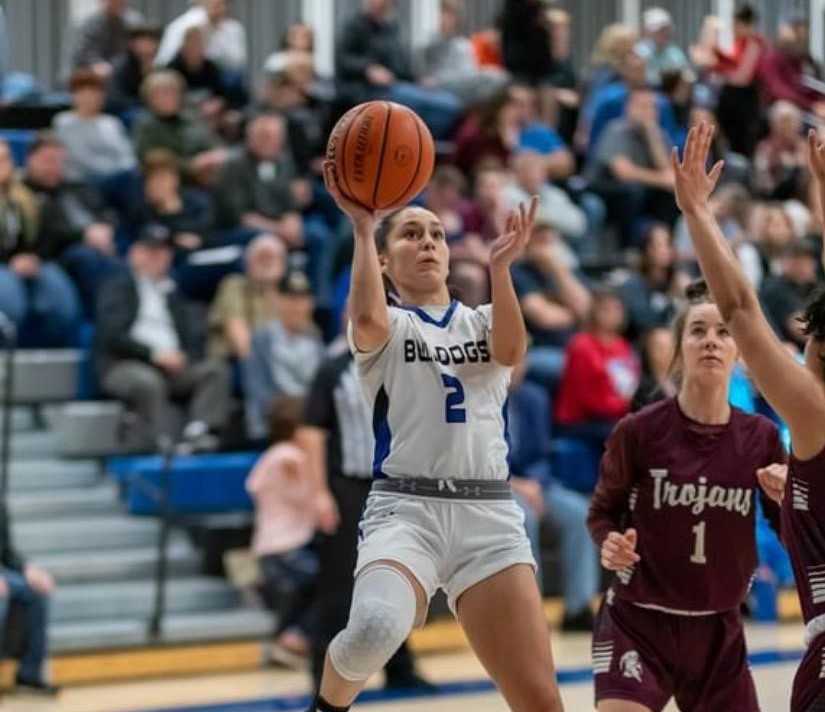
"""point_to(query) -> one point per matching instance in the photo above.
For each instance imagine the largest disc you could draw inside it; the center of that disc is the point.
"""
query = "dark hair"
(813, 319)
(382, 233)
(45, 139)
(603, 293)
(83, 77)
(747, 15)
(695, 293)
(160, 160)
(145, 30)
(648, 231)
(286, 413)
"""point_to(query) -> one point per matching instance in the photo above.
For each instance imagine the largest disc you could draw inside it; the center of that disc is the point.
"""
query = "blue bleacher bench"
(20, 141)
(199, 484)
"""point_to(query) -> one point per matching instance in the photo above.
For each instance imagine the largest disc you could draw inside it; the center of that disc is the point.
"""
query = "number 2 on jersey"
(455, 398)
(698, 555)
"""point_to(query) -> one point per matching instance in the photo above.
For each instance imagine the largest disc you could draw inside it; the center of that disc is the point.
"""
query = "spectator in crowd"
(76, 229)
(305, 100)
(544, 499)
(492, 134)
(657, 48)
(96, 144)
(102, 36)
(555, 206)
(225, 36)
(554, 300)
(783, 69)
(372, 63)
(657, 356)
(785, 295)
(284, 494)
(739, 99)
(295, 55)
(204, 84)
(780, 162)
(257, 187)
(630, 169)
(563, 82)
(469, 282)
(187, 214)
(615, 44)
(732, 206)
(526, 40)
(650, 294)
(483, 218)
(445, 198)
(601, 374)
(31, 587)
(167, 126)
(772, 232)
(35, 295)
(284, 353)
(149, 348)
(338, 440)
(246, 302)
(448, 62)
(132, 67)
(610, 100)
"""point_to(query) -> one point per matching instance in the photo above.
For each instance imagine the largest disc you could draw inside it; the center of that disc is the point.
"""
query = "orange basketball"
(383, 153)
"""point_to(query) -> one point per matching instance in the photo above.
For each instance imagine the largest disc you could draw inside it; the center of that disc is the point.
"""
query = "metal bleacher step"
(52, 474)
(32, 444)
(177, 628)
(125, 565)
(34, 504)
(92, 533)
(135, 599)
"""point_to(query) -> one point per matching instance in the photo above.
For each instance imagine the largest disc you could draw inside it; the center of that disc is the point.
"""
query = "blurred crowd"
(176, 210)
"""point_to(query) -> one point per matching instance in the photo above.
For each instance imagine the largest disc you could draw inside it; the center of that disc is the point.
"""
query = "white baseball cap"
(655, 19)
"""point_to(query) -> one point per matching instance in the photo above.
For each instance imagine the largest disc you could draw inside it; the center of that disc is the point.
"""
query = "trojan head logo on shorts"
(631, 666)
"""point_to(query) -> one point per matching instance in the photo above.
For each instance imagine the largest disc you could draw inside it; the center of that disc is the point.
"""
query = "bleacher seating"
(198, 484)
(575, 464)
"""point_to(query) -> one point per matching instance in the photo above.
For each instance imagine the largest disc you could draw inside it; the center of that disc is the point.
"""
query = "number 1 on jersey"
(455, 398)
(698, 555)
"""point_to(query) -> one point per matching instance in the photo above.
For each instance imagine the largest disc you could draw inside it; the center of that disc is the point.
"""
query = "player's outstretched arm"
(790, 388)
(367, 302)
(509, 335)
(816, 164)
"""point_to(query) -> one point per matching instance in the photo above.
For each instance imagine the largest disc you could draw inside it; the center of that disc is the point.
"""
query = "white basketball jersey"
(437, 396)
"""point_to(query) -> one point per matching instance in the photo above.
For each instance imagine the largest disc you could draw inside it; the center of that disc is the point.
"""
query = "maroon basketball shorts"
(646, 656)
(809, 682)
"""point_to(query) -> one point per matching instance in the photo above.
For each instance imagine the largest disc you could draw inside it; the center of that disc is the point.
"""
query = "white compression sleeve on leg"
(380, 619)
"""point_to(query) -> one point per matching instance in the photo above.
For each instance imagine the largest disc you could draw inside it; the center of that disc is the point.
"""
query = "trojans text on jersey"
(468, 352)
(699, 496)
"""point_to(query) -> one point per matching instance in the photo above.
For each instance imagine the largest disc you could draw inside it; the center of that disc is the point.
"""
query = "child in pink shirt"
(283, 493)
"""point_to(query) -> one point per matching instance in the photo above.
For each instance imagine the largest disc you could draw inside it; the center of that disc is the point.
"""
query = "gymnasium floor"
(463, 685)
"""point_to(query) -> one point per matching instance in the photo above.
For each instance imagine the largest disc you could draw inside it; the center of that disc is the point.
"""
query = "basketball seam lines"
(417, 165)
(381, 157)
(343, 164)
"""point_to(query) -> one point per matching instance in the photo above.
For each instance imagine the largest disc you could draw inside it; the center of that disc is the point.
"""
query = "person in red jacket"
(600, 375)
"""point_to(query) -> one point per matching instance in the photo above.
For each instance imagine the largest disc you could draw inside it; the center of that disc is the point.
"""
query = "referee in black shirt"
(337, 435)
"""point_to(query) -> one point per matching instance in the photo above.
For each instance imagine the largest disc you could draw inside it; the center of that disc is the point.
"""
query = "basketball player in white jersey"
(440, 513)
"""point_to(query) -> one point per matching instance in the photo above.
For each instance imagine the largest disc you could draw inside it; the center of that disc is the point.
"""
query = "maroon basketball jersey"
(689, 491)
(803, 531)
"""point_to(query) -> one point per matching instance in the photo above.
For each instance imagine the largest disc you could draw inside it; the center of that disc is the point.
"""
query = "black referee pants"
(338, 555)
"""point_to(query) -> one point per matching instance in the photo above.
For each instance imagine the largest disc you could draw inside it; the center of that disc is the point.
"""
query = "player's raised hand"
(693, 182)
(509, 246)
(360, 215)
(772, 479)
(619, 550)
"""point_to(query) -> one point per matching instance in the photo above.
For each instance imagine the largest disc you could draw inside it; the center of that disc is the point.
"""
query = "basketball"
(383, 153)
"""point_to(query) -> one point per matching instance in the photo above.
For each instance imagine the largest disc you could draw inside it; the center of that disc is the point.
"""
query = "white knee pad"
(380, 619)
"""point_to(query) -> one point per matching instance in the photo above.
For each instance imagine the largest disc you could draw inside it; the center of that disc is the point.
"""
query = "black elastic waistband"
(445, 489)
